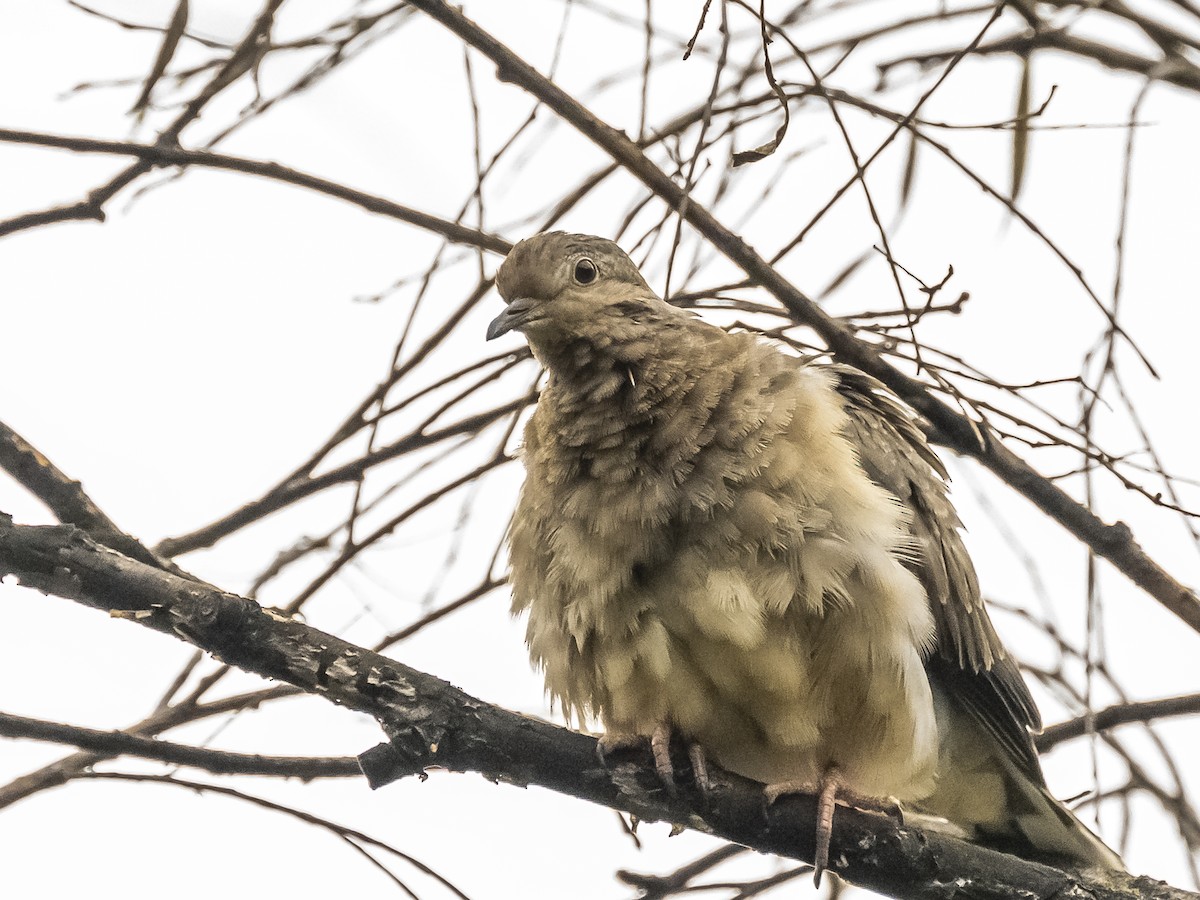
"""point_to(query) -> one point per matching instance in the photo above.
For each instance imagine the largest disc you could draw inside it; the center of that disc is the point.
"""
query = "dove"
(719, 542)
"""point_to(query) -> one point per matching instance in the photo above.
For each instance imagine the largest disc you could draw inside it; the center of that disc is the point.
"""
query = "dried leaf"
(1021, 129)
(763, 151)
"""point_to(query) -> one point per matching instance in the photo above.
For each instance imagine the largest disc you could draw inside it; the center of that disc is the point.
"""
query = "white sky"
(188, 352)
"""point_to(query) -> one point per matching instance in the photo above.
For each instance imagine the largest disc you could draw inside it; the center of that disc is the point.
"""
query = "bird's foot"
(830, 790)
(699, 760)
(660, 746)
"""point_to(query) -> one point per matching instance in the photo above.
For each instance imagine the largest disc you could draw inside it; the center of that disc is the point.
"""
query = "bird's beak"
(517, 313)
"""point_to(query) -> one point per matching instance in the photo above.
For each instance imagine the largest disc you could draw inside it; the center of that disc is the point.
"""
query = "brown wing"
(968, 660)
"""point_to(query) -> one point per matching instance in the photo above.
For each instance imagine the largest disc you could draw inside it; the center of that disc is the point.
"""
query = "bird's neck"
(635, 378)
(622, 400)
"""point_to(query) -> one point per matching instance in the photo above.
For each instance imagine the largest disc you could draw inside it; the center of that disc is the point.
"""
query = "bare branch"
(430, 723)
(1121, 714)
(219, 762)
(66, 497)
(344, 474)
(174, 155)
(1112, 542)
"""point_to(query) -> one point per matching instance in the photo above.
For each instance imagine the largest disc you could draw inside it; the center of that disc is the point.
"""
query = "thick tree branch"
(67, 499)
(431, 723)
(1112, 542)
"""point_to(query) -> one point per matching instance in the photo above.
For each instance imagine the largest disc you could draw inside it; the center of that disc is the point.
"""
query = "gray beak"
(516, 314)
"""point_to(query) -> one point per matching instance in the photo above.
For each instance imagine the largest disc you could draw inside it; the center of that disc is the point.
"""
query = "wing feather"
(968, 660)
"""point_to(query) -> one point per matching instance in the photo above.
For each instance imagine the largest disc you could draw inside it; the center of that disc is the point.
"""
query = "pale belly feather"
(731, 659)
(801, 694)
(772, 622)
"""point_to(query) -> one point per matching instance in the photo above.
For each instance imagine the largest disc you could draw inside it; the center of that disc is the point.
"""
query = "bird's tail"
(1050, 829)
(996, 802)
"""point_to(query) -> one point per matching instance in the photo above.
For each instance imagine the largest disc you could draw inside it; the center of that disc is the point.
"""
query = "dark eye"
(586, 271)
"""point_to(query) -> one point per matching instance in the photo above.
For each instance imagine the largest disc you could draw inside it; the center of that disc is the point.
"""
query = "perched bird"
(720, 541)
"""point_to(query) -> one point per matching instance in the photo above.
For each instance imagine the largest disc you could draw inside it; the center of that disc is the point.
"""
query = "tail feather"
(1052, 829)
(994, 802)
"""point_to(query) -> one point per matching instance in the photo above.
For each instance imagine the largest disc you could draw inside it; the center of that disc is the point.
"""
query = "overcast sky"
(185, 354)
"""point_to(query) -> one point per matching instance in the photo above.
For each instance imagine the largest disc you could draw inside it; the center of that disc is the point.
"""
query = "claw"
(660, 746)
(830, 790)
(612, 742)
(826, 800)
(699, 762)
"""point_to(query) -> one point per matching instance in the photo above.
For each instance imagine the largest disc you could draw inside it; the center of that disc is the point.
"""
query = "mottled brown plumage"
(757, 553)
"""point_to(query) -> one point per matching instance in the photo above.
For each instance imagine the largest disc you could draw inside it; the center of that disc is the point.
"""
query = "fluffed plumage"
(758, 553)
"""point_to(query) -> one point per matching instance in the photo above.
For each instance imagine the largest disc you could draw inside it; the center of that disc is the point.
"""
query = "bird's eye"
(586, 271)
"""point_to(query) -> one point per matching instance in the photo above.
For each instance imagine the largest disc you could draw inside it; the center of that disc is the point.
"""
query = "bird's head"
(563, 288)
